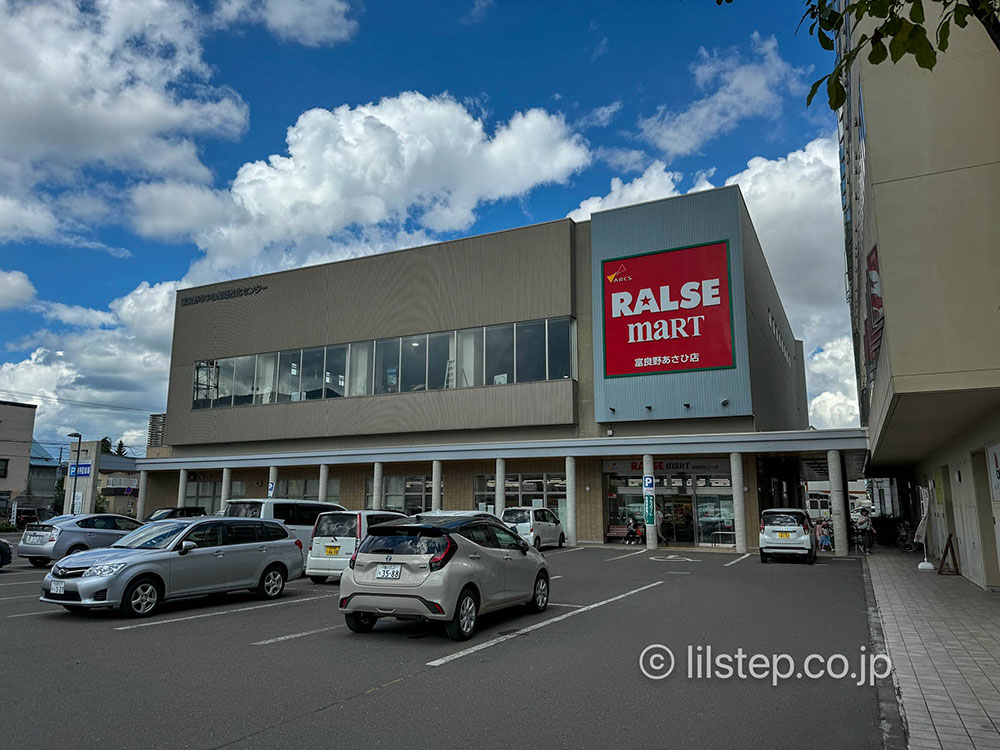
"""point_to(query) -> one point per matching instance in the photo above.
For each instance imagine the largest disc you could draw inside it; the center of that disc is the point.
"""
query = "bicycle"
(905, 538)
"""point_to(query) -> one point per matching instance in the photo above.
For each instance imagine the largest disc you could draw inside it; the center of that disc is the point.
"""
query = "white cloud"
(599, 117)
(75, 315)
(16, 290)
(21, 220)
(739, 89)
(600, 49)
(622, 159)
(476, 13)
(313, 23)
(405, 158)
(656, 182)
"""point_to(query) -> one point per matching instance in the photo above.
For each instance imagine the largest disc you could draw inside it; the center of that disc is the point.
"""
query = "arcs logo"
(619, 276)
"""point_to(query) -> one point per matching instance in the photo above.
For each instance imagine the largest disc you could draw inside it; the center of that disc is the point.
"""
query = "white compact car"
(539, 527)
(786, 531)
(336, 537)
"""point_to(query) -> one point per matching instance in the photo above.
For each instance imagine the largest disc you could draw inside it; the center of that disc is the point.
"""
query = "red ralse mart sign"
(668, 311)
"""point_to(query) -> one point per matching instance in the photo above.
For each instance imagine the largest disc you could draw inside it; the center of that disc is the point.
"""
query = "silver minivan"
(336, 537)
(299, 516)
(174, 559)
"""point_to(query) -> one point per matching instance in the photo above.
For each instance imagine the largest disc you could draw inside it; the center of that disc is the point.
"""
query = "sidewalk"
(943, 636)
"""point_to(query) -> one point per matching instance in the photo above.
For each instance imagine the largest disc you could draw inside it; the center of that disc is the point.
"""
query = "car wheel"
(272, 583)
(74, 550)
(75, 609)
(562, 539)
(39, 562)
(540, 594)
(538, 543)
(463, 624)
(318, 579)
(360, 622)
(763, 557)
(141, 597)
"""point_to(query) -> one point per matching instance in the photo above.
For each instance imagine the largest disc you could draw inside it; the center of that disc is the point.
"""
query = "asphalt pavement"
(236, 672)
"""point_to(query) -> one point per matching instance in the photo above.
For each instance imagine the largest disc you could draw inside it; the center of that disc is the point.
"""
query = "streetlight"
(76, 471)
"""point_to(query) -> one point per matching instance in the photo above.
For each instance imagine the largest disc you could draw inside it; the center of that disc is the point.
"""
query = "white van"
(299, 516)
(336, 536)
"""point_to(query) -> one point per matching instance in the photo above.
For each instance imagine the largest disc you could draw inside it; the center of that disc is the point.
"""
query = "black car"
(6, 553)
(164, 513)
(31, 515)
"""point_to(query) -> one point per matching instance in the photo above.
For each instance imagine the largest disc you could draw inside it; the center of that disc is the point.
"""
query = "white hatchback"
(786, 531)
(335, 538)
(539, 527)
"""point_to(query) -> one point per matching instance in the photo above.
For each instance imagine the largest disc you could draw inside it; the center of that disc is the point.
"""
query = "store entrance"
(678, 513)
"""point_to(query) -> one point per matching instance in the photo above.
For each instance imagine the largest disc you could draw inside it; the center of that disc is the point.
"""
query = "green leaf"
(824, 41)
(905, 29)
(917, 12)
(923, 50)
(879, 8)
(943, 33)
(878, 53)
(814, 88)
(897, 48)
(835, 93)
(962, 13)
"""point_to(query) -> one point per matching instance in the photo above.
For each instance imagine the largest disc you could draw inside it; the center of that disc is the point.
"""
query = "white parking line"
(223, 612)
(733, 562)
(640, 552)
(26, 596)
(555, 578)
(24, 583)
(295, 635)
(537, 626)
(29, 614)
(564, 551)
(574, 606)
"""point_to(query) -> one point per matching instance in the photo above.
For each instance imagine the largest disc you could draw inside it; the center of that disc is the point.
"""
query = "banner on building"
(668, 311)
(627, 467)
(873, 327)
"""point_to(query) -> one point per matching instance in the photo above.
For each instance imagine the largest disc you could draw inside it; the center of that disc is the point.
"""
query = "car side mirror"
(187, 547)
(558, 522)
(523, 546)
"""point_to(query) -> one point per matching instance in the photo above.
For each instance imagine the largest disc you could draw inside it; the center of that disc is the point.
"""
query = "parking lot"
(234, 671)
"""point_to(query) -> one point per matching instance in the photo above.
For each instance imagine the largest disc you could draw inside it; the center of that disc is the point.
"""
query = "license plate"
(333, 550)
(58, 587)
(34, 539)
(388, 571)
(784, 535)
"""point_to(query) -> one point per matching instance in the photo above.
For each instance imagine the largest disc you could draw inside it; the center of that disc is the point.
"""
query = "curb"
(892, 716)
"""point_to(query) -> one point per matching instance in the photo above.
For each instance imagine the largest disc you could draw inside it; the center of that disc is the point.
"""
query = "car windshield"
(152, 536)
(161, 513)
(782, 519)
(516, 516)
(243, 510)
(337, 524)
(404, 541)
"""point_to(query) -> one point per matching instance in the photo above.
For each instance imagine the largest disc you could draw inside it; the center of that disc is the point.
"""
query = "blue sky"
(138, 158)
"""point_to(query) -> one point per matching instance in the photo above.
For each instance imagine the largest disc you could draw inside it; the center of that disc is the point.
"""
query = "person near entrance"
(659, 524)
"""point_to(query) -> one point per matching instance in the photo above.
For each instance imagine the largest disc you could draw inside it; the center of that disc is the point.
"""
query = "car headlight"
(103, 570)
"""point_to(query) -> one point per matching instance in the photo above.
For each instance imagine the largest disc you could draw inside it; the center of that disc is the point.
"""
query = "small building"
(17, 424)
(43, 474)
(97, 474)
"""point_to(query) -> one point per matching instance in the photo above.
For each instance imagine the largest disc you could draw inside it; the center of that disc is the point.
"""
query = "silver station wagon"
(177, 558)
(57, 537)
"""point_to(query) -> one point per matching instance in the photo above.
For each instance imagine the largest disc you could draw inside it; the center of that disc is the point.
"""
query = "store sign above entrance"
(693, 466)
(668, 311)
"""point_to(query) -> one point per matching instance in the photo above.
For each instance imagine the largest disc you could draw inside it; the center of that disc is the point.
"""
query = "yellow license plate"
(333, 550)
(781, 535)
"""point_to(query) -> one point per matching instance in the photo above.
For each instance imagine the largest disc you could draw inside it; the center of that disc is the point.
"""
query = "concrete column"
(436, 485)
(182, 488)
(140, 508)
(272, 475)
(739, 501)
(377, 487)
(324, 481)
(841, 546)
(651, 538)
(227, 488)
(570, 500)
(500, 488)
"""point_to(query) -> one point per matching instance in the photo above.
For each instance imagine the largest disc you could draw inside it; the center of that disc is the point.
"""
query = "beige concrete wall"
(17, 424)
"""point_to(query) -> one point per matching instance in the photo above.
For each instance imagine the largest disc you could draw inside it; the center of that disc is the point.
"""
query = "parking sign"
(270, 489)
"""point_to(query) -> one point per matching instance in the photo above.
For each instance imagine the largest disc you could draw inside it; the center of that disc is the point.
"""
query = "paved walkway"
(943, 636)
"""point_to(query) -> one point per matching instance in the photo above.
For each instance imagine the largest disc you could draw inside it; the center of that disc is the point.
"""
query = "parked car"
(174, 559)
(336, 537)
(456, 513)
(786, 531)
(299, 516)
(539, 527)
(52, 540)
(446, 568)
(25, 516)
(186, 512)
(6, 553)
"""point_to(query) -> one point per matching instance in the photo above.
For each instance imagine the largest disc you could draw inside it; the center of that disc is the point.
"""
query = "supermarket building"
(550, 365)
